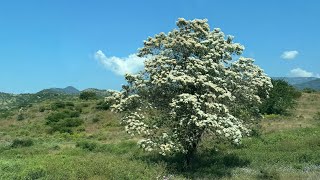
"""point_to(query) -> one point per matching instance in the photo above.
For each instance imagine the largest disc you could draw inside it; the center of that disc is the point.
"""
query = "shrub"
(5, 114)
(96, 119)
(281, 98)
(21, 143)
(87, 145)
(58, 105)
(64, 121)
(34, 173)
(42, 109)
(20, 117)
(87, 95)
(309, 90)
(69, 104)
(268, 174)
(317, 117)
(103, 105)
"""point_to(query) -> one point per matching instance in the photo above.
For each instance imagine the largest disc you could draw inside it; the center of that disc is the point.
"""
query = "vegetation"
(21, 143)
(193, 104)
(191, 89)
(87, 95)
(103, 105)
(309, 90)
(64, 121)
(282, 97)
(288, 148)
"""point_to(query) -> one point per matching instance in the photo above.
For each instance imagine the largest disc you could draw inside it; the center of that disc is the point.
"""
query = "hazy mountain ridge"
(314, 84)
(302, 82)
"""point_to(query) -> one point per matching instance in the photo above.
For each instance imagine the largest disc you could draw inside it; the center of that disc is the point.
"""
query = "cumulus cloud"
(121, 66)
(289, 55)
(298, 72)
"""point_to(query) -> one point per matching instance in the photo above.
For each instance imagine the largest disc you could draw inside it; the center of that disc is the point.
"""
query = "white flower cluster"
(191, 86)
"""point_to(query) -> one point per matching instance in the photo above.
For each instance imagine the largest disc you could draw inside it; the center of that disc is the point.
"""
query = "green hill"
(68, 90)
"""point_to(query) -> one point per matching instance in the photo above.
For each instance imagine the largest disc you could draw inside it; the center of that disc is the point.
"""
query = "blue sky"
(57, 43)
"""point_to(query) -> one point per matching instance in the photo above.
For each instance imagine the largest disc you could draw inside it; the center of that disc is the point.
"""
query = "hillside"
(68, 90)
(93, 145)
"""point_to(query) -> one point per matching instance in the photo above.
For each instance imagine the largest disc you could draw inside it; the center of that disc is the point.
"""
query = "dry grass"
(301, 116)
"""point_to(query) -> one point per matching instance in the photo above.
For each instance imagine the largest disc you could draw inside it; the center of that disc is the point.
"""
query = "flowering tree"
(191, 86)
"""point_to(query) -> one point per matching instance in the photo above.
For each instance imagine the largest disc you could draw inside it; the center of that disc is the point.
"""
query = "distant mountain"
(314, 84)
(68, 90)
(296, 80)
(302, 82)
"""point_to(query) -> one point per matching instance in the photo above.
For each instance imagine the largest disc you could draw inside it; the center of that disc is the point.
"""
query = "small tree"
(190, 86)
(282, 97)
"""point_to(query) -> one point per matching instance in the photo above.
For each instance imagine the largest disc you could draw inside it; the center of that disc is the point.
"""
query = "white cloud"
(289, 54)
(298, 72)
(121, 66)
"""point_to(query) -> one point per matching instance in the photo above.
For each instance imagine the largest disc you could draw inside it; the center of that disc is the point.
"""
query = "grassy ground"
(289, 148)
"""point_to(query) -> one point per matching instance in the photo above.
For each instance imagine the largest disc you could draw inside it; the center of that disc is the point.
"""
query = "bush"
(86, 145)
(103, 105)
(5, 114)
(62, 105)
(20, 117)
(281, 98)
(21, 143)
(268, 174)
(35, 173)
(317, 117)
(42, 109)
(69, 104)
(58, 105)
(96, 119)
(87, 95)
(64, 121)
(309, 90)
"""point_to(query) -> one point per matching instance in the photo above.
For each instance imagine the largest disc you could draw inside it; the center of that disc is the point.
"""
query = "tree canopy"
(194, 83)
(282, 97)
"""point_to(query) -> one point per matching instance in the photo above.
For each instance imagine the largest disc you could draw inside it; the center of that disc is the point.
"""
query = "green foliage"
(96, 119)
(58, 105)
(268, 175)
(4, 113)
(87, 145)
(309, 90)
(63, 105)
(20, 117)
(64, 121)
(42, 109)
(16, 143)
(105, 151)
(317, 117)
(87, 95)
(34, 173)
(281, 98)
(103, 105)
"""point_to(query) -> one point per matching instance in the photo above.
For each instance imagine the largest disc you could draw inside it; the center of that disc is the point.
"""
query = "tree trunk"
(190, 154)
